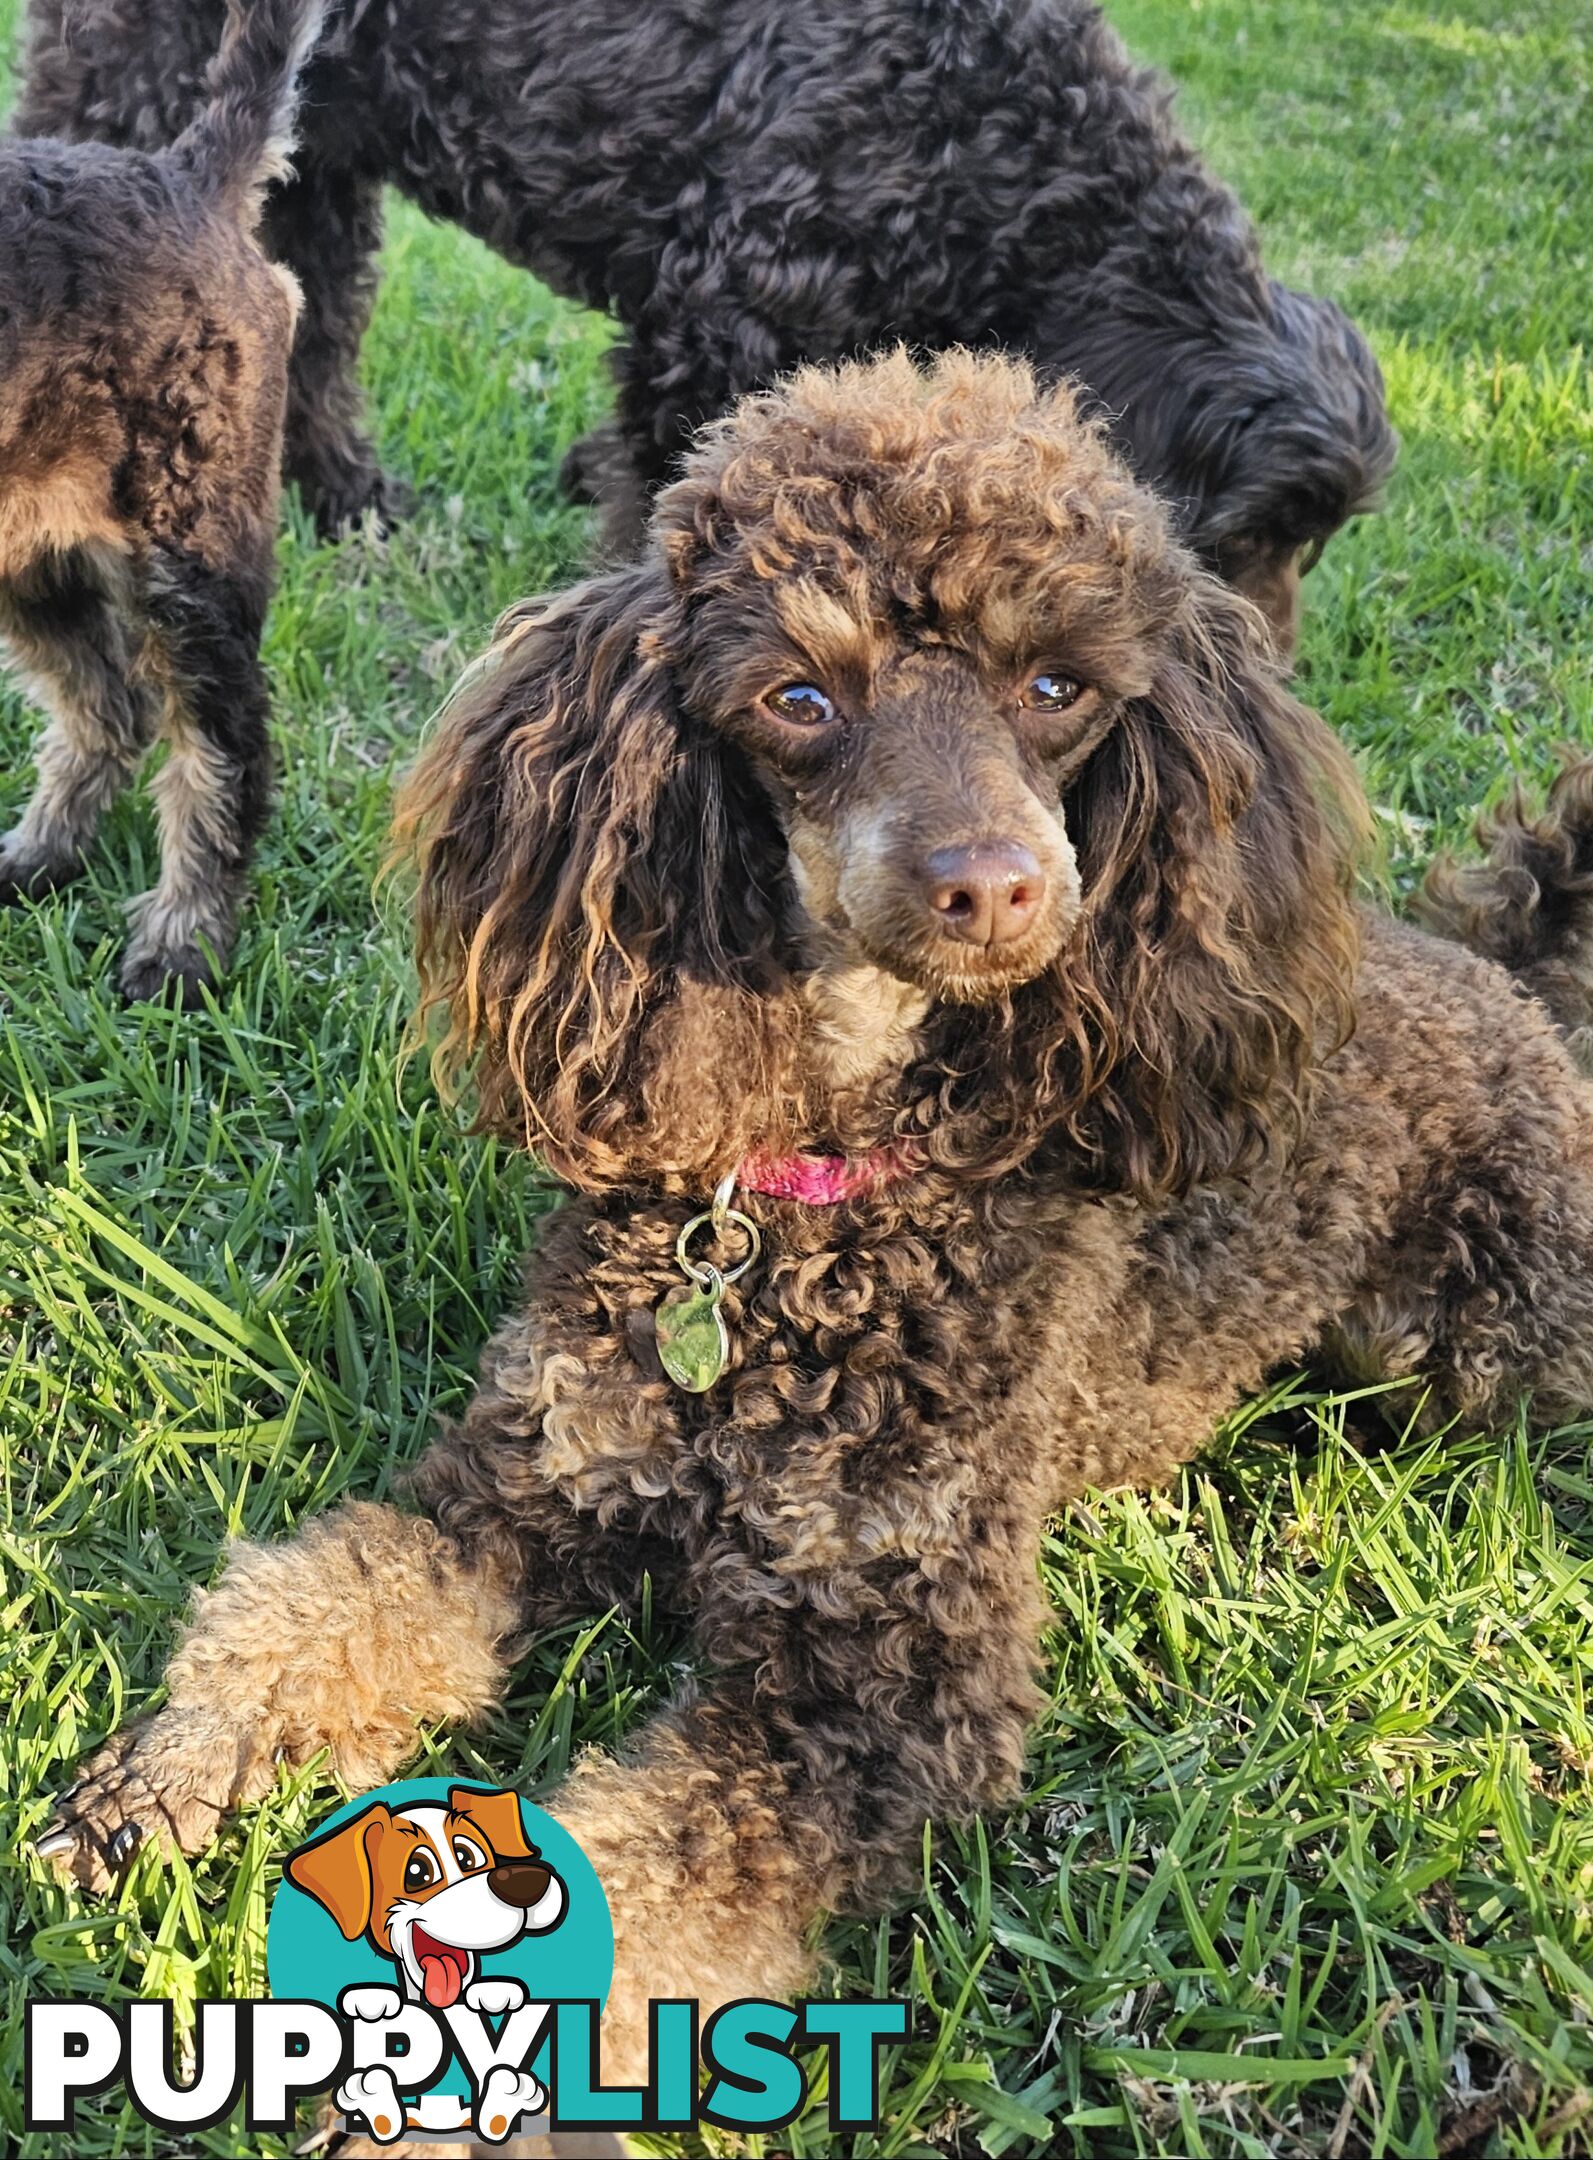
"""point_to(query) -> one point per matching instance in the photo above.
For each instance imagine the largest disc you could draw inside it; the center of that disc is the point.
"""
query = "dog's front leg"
(347, 1639)
(325, 224)
(353, 1635)
(802, 1778)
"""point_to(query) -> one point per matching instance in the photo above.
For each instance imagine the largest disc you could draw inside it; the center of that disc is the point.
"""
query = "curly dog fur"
(144, 343)
(749, 185)
(1529, 903)
(682, 898)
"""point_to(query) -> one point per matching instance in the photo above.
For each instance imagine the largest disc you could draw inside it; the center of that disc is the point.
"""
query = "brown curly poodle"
(144, 348)
(919, 829)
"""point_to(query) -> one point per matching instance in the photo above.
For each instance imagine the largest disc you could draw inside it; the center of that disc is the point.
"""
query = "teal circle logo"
(440, 1918)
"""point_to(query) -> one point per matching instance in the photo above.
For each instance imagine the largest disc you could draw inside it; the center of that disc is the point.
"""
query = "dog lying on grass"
(754, 184)
(917, 834)
(144, 345)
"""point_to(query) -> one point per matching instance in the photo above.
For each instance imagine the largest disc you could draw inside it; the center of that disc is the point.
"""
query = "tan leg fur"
(345, 1640)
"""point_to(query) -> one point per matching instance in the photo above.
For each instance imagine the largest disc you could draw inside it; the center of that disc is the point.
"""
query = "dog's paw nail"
(125, 1843)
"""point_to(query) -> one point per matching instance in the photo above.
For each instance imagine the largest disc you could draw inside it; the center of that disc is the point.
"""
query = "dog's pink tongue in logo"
(442, 1969)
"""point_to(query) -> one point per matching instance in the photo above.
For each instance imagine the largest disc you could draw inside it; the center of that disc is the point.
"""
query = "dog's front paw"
(151, 968)
(159, 1780)
(505, 2097)
(589, 465)
(356, 497)
(372, 2095)
(496, 1998)
(370, 2005)
(26, 875)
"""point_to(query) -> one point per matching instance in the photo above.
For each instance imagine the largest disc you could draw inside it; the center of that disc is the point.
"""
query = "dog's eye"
(801, 704)
(1051, 693)
(470, 1857)
(421, 1872)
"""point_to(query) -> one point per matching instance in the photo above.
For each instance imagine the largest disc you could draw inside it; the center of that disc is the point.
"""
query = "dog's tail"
(1529, 903)
(243, 138)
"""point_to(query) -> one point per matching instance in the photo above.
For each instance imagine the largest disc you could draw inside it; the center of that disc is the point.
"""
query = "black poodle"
(747, 184)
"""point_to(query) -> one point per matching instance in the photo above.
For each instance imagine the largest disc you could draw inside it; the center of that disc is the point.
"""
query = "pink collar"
(826, 1180)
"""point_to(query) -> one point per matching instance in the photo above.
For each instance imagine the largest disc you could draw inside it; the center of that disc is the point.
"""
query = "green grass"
(1306, 1858)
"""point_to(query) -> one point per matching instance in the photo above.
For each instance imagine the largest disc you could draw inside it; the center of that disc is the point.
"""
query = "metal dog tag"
(693, 1345)
(689, 1326)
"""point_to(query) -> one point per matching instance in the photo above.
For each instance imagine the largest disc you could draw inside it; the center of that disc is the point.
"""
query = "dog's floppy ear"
(1217, 829)
(337, 1870)
(1264, 423)
(497, 1816)
(598, 911)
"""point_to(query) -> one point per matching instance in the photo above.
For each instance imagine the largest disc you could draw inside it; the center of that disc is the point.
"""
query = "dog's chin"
(951, 973)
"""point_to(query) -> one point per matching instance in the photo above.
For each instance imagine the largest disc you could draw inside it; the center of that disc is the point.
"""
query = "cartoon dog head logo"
(434, 1886)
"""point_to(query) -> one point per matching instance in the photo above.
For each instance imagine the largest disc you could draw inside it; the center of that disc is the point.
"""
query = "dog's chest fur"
(882, 1355)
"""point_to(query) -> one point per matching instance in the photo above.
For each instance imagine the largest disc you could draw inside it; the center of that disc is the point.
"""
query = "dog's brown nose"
(986, 894)
(519, 1882)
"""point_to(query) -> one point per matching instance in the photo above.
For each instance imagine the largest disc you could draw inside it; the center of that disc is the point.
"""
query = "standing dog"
(144, 348)
(751, 184)
(917, 835)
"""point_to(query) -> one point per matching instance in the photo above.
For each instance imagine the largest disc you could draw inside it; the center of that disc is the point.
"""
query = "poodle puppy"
(751, 185)
(917, 852)
(144, 343)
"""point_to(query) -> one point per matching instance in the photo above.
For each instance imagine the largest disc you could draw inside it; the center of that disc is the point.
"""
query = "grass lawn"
(1306, 1858)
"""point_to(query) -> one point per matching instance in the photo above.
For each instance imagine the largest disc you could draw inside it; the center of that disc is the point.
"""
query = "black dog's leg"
(65, 623)
(214, 791)
(583, 476)
(619, 467)
(326, 226)
(678, 371)
(622, 465)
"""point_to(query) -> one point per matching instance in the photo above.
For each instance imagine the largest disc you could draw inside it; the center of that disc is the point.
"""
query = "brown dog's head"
(434, 1887)
(914, 692)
